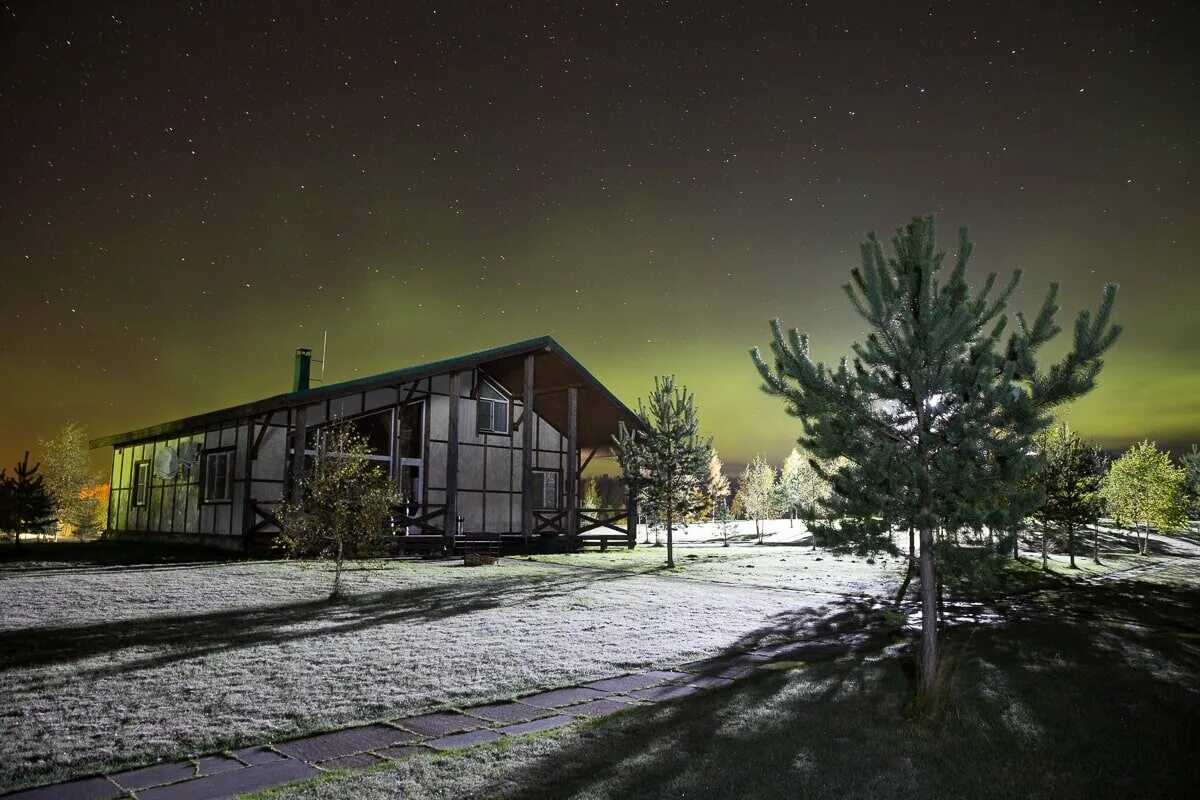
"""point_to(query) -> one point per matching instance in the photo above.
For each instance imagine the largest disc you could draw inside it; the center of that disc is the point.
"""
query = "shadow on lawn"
(1044, 708)
(179, 638)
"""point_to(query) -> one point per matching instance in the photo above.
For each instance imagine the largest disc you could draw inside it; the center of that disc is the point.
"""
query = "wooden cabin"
(486, 449)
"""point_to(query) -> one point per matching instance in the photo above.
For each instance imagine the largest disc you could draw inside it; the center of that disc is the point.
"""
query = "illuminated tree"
(67, 476)
(756, 490)
(1143, 489)
(937, 410)
(718, 484)
(346, 500)
(591, 496)
(666, 462)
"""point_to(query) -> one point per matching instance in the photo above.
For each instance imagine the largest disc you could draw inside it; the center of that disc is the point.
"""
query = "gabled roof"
(555, 369)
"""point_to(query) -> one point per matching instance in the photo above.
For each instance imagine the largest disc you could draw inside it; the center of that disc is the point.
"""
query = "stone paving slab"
(667, 675)
(708, 681)
(539, 725)
(461, 740)
(439, 724)
(508, 712)
(230, 784)
(211, 765)
(598, 708)
(156, 775)
(86, 789)
(258, 754)
(563, 697)
(627, 683)
(356, 761)
(658, 694)
(344, 742)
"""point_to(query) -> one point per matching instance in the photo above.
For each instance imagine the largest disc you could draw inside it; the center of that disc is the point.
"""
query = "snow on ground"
(118, 666)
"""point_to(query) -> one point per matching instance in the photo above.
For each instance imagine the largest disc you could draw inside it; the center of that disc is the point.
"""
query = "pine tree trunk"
(908, 576)
(1045, 534)
(792, 519)
(1071, 545)
(929, 632)
(1096, 543)
(1016, 543)
(670, 549)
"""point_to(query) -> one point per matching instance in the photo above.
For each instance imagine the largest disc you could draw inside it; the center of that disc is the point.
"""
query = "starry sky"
(191, 191)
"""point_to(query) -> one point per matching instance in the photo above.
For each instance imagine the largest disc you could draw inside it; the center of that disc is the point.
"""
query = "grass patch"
(33, 555)
(1040, 709)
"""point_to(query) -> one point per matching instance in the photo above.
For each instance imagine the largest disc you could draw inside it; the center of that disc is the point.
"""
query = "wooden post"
(632, 522)
(572, 474)
(451, 527)
(299, 439)
(247, 477)
(527, 452)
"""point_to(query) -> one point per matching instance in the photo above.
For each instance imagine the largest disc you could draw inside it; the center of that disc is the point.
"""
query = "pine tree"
(757, 492)
(936, 412)
(1070, 486)
(1190, 462)
(1144, 489)
(665, 463)
(25, 505)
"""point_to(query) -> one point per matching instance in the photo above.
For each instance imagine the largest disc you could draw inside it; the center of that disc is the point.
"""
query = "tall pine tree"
(665, 464)
(1070, 485)
(937, 410)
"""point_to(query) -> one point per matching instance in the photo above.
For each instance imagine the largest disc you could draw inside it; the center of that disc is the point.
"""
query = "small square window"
(216, 478)
(491, 415)
(141, 483)
(545, 489)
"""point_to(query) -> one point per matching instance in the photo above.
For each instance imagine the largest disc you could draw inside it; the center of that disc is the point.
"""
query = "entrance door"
(410, 458)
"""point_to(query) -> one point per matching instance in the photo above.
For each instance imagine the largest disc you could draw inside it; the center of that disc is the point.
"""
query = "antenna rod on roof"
(324, 349)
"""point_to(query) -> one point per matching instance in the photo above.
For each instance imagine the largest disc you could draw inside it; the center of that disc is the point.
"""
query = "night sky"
(192, 191)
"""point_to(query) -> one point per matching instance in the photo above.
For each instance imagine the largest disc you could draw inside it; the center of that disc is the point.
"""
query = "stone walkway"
(251, 769)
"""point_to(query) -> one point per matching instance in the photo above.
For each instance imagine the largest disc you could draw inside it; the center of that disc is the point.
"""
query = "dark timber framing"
(453, 470)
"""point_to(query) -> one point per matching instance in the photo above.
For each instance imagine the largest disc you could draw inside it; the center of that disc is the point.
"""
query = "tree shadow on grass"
(182, 637)
(1043, 708)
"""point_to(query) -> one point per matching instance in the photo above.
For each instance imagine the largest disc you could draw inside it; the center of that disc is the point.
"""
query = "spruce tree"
(25, 505)
(937, 410)
(665, 463)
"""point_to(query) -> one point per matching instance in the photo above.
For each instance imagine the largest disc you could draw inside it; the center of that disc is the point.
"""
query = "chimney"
(303, 369)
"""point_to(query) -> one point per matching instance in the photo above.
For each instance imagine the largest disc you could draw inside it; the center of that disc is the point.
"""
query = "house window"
(141, 483)
(491, 414)
(545, 488)
(217, 476)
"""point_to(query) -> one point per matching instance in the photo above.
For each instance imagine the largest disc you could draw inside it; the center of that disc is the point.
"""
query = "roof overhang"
(555, 371)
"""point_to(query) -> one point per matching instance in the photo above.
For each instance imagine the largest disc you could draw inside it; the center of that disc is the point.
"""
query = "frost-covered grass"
(1071, 707)
(107, 666)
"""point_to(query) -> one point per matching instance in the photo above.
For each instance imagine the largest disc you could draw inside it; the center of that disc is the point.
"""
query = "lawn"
(114, 659)
(106, 666)
(1099, 699)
